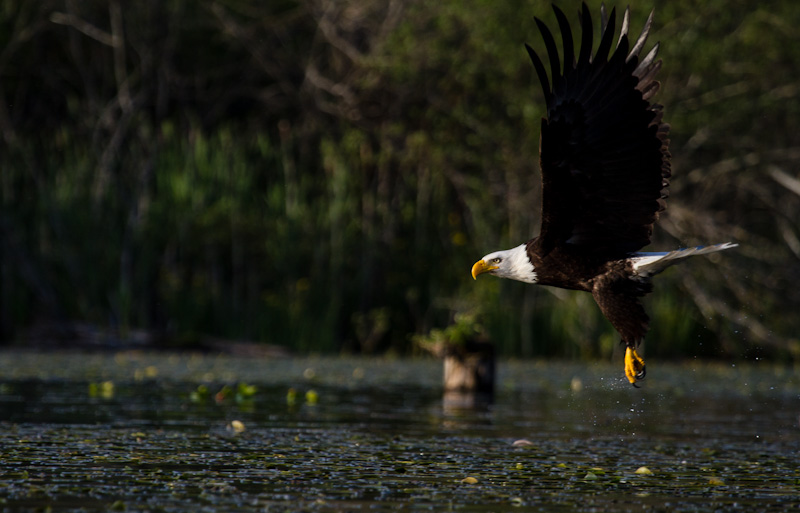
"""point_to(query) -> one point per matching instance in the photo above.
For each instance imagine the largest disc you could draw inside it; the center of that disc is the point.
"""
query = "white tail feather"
(649, 264)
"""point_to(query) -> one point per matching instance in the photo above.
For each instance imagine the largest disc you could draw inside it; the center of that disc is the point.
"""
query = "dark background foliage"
(322, 174)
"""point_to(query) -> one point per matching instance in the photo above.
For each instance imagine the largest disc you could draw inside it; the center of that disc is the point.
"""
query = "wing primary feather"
(606, 35)
(537, 64)
(649, 74)
(648, 86)
(626, 20)
(647, 61)
(611, 68)
(566, 38)
(649, 91)
(585, 55)
(637, 47)
(552, 52)
(603, 18)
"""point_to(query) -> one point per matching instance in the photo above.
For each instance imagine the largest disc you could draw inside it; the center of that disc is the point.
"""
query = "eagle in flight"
(605, 164)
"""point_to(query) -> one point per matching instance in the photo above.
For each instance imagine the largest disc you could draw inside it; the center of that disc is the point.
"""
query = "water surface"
(156, 432)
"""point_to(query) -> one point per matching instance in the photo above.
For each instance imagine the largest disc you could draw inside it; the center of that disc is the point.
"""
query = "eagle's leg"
(634, 365)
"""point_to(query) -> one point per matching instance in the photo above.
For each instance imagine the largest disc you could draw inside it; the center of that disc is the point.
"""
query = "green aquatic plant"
(464, 331)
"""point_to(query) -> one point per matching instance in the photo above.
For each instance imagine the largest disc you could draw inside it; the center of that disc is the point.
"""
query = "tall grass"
(222, 235)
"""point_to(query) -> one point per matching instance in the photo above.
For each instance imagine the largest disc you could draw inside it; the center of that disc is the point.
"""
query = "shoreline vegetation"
(321, 176)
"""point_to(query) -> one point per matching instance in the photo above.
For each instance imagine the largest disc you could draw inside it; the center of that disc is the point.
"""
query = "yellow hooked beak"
(481, 267)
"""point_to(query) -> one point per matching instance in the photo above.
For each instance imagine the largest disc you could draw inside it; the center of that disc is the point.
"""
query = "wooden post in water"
(469, 362)
(469, 367)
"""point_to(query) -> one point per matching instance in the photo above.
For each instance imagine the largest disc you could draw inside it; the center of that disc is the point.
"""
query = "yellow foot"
(634, 366)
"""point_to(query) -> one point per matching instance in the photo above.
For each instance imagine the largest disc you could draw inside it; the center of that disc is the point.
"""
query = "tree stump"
(469, 367)
(469, 362)
(469, 375)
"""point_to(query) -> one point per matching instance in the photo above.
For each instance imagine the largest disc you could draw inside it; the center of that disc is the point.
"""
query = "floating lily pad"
(385, 441)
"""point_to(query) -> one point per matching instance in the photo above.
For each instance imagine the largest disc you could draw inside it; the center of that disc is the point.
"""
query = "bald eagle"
(604, 159)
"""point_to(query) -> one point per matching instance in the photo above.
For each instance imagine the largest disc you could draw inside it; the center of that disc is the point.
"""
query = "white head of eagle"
(510, 263)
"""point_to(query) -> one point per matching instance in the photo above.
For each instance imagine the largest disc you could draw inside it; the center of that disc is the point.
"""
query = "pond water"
(159, 432)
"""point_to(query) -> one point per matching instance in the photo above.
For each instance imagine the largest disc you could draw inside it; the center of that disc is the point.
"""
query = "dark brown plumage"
(605, 168)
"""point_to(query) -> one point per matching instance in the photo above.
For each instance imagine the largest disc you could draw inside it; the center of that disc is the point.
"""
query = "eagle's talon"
(635, 369)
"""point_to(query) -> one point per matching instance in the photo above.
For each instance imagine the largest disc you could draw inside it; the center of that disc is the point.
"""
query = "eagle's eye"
(497, 260)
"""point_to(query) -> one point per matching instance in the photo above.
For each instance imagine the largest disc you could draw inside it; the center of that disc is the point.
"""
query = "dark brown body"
(612, 282)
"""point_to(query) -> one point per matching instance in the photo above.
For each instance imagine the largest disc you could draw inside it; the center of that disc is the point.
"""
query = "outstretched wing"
(604, 150)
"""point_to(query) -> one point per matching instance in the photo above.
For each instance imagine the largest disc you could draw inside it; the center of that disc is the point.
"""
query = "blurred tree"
(322, 174)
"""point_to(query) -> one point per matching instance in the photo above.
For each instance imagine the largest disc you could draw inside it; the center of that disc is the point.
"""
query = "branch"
(788, 181)
(341, 90)
(264, 57)
(329, 31)
(120, 67)
(84, 27)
